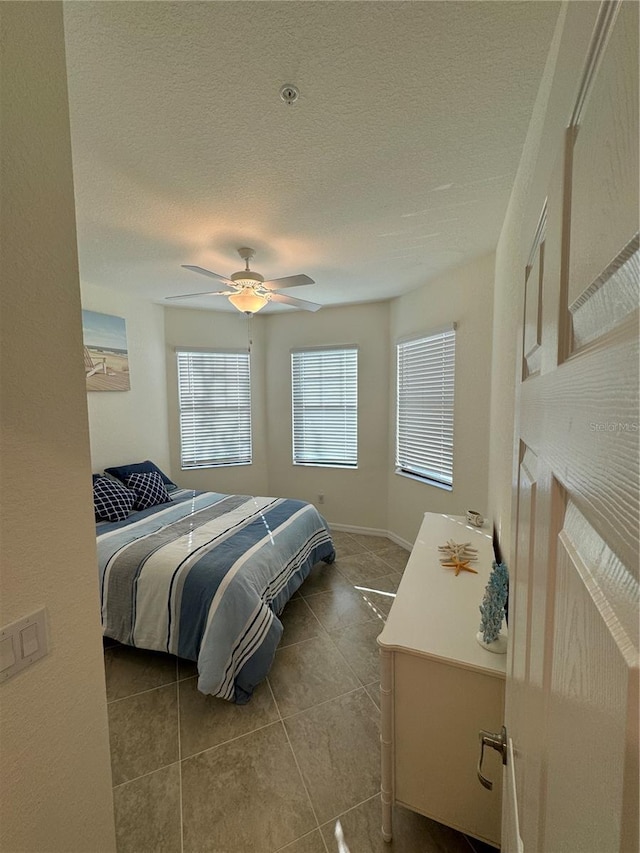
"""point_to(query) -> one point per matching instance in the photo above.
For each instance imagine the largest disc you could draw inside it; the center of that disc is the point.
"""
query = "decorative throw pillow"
(149, 489)
(111, 500)
(121, 472)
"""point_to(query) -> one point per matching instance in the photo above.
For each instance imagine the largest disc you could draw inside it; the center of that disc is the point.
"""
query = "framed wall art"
(106, 356)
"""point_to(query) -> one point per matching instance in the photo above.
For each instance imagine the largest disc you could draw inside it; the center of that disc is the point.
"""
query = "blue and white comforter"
(204, 578)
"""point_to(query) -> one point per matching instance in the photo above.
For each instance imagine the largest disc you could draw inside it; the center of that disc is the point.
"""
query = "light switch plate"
(7, 653)
(29, 641)
(26, 640)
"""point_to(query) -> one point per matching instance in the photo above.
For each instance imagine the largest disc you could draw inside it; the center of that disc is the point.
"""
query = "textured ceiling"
(395, 163)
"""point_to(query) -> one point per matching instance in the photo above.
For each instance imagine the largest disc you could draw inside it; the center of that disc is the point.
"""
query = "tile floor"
(194, 773)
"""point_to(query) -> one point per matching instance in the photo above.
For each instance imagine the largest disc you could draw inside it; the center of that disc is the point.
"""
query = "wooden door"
(572, 689)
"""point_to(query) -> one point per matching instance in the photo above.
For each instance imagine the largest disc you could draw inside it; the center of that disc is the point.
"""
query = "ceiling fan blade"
(297, 303)
(203, 271)
(204, 293)
(287, 281)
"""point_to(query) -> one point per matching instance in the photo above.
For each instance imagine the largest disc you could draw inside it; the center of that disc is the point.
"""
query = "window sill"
(444, 486)
(214, 465)
(324, 465)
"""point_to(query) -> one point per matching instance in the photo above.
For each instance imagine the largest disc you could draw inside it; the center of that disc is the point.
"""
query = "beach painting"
(106, 358)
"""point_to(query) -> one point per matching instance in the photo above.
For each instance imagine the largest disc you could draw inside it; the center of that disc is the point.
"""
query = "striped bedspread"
(205, 578)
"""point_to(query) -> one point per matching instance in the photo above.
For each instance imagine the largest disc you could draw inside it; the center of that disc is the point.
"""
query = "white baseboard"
(372, 531)
(399, 540)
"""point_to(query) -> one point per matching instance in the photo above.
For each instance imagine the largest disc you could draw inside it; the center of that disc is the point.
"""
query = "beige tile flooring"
(194, 773)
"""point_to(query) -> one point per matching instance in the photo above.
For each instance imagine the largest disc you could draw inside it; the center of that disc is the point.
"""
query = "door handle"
(497, 742)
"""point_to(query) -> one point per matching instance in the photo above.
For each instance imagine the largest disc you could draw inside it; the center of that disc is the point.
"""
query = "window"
(214, 392)
(324, 387)
(424, 425)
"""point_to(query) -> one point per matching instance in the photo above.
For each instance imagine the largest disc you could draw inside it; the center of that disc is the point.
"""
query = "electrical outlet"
(321, 498)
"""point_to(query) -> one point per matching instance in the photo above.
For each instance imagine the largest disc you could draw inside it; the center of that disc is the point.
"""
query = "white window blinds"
(324, 385)
(424, 426)
(214, 391)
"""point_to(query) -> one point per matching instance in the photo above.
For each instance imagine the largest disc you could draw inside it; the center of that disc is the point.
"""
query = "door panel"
(572, 686)
(587, 412)
(604, 205)
(610, 298)
(520, 627)
(523, 647)
(533, 307)
(594, 655)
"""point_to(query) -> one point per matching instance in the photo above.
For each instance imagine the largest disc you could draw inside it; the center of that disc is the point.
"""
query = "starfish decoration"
(458, 556)
(457, 551)
(459, 566)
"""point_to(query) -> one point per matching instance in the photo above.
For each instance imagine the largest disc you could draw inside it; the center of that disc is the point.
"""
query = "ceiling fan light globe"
(247, 301)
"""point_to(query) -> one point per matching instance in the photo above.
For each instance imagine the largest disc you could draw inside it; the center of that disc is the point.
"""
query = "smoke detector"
(289, 93)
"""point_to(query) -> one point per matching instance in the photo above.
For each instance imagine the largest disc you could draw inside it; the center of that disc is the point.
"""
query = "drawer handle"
(497, 742)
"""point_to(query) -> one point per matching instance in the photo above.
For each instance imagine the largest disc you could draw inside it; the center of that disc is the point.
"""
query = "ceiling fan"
(250, 291)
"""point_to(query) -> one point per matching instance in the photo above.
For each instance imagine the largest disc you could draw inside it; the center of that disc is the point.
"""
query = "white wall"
(352, 497)
(372, 496)
(463, 295)
(551, 115)
(187, 327)
(129, 426)
(54, 749)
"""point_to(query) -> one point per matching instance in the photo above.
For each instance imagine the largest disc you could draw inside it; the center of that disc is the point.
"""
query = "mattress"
(205, 577)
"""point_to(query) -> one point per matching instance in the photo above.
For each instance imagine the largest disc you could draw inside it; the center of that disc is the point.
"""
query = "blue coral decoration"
(493, 603)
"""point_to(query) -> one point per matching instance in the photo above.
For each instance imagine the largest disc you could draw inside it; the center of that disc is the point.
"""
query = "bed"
(204, 576)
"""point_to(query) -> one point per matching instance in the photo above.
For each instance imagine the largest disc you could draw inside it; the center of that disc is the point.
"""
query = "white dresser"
(439, 687)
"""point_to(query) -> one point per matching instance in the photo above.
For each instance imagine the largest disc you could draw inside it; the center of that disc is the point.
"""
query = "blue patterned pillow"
(111, 500)
(121, 472)
(149, 489)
